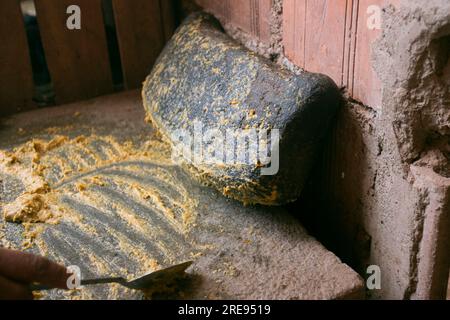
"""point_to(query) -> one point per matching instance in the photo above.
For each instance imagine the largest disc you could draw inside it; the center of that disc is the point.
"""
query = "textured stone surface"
(244, 252)
(382, 198)
(203, 75)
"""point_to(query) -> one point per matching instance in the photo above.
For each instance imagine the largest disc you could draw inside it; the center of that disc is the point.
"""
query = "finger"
(29, 268)
(10, 290)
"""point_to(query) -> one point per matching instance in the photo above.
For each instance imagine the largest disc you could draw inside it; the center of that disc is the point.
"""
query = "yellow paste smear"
(39, 204)
(34, 205)
(25, 162)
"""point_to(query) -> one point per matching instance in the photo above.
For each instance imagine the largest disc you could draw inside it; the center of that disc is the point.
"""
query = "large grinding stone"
(204, 76)
(138, 214)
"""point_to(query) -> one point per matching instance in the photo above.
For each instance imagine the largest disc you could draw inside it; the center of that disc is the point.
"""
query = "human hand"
(18, 270)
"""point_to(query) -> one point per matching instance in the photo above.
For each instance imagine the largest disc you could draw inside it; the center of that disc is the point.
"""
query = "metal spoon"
(139, 283)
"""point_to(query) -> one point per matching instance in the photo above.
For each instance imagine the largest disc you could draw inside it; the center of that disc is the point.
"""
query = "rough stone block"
(205, 77)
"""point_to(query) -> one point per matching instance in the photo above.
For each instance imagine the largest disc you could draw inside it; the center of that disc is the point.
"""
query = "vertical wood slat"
(338, 42)
(16, 77)
(365, 84)
(78, 60)
(222, 9)
(264, 20)
(250, 16)
(324, 42)
(143, 27)
(294, 30)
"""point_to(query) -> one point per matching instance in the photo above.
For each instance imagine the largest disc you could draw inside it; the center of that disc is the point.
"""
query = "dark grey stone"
(204, 75)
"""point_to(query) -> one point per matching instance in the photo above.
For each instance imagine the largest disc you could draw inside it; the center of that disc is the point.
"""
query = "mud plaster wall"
(381, 192)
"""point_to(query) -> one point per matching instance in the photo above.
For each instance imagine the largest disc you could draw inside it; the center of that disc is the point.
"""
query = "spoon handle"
(102, 280)
(85, 282)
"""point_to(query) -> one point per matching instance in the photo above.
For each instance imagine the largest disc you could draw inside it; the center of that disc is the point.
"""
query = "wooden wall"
(78, 60)
(16, 79)
(326, 36)
(142, 29)
(251, 16)
(333, 37)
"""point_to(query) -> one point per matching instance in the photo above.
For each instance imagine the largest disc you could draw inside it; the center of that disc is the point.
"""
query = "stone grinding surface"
(138, 212)
(204, 75)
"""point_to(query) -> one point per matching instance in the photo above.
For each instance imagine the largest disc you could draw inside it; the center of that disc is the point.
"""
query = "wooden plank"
(324, 43)
(332, 37)
(265, 8)
(294, 29)
(314, 35)
(143, 26)
(241, 13)
(349, 43)
(219, 8)
(78, 60)
(250, 16)
(365, 86)
(16, 77)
